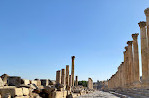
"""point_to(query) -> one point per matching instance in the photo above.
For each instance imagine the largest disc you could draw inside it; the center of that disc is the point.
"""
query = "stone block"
(59, 94)
(14, 81)
(44, 82)
(38, 82)
(34, 82)
(12, 91)
(25, 91)
(4, 77)
(1, 82)
(25, 82)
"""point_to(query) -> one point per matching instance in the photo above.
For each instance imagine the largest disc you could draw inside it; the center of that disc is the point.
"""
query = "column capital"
(73, 57)
(142, 24)
(129, 42)
(135, 36)
(146, 11)
(126, 48)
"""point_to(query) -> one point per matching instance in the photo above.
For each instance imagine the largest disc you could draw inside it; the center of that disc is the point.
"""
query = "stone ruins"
(63, 87)
(127, 78)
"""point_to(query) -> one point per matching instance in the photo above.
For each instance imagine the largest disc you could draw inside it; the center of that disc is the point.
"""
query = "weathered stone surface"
(70, 80)
(25, 91)
(72, 70)
(63, 77)
(1, 82)
(59, 94)
(58, 77)
(25, 82)
(67, 75)
(76, 82)
(49, 89)
(34, 82)
(4, 78)
(33, 86)
(44, 82)
(38, 82)
(12, 91)
(14, 81)
(90, 83)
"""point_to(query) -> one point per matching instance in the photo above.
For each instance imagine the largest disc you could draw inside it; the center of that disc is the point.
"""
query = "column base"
(136, 84)
(145, 84)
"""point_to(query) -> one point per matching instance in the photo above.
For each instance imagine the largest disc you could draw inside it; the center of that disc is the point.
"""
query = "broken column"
(58, 77)
(67, 75)
(136, 60)
(90, 83)
(130, 62)
(76, 82)
(144, 54)
(63, 77)
(70, 80)
(72, 70)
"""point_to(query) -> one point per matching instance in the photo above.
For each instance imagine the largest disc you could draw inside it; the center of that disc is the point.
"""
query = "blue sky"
(38, 37)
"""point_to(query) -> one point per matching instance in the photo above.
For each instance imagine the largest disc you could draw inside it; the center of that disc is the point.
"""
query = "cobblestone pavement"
(98, 94)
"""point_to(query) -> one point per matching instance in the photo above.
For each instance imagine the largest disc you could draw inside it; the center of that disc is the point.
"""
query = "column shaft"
(136, 58)
(144, 54)
(72, 70)
(67, 75)
(58, 77)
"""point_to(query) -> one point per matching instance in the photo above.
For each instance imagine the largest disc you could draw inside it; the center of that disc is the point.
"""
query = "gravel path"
(98, 94)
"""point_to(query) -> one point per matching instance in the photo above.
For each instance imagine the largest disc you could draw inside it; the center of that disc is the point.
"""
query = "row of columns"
(63, 77)
(128, 75)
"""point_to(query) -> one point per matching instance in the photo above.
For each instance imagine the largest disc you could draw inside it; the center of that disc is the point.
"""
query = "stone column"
(76, 84)
(72, 70)
(70, 80)
(63, 77)
(136, 59)
(144, 54)
(58, 77)
(130, 62)
(67, 75)
(126, 67)
(146, 11)
(122, 75)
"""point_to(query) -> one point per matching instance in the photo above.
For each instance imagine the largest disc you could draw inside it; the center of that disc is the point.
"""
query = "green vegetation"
(83, 83)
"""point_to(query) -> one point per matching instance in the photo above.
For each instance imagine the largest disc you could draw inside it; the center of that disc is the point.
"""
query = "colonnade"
(128, 75)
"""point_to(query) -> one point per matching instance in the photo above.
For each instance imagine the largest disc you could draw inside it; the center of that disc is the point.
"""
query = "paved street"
(98, 94)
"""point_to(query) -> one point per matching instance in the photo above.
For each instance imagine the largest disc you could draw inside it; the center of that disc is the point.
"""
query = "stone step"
(133, 95)
(141, 92)
(120, 95)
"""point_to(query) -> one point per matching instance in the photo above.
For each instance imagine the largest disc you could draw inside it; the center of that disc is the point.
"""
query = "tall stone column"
(130, 62)
(70, 80)
(146, 11)
(122, 75)
(72, 70)
(58, 77)
(124, 68)
(136, 59)
(127, 67)
(67, 75)
(63, 77)
(76, 82)
(144, 53)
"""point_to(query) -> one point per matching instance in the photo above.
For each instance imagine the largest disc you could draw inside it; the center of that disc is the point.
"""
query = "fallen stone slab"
(12, 91)
(14, 81)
